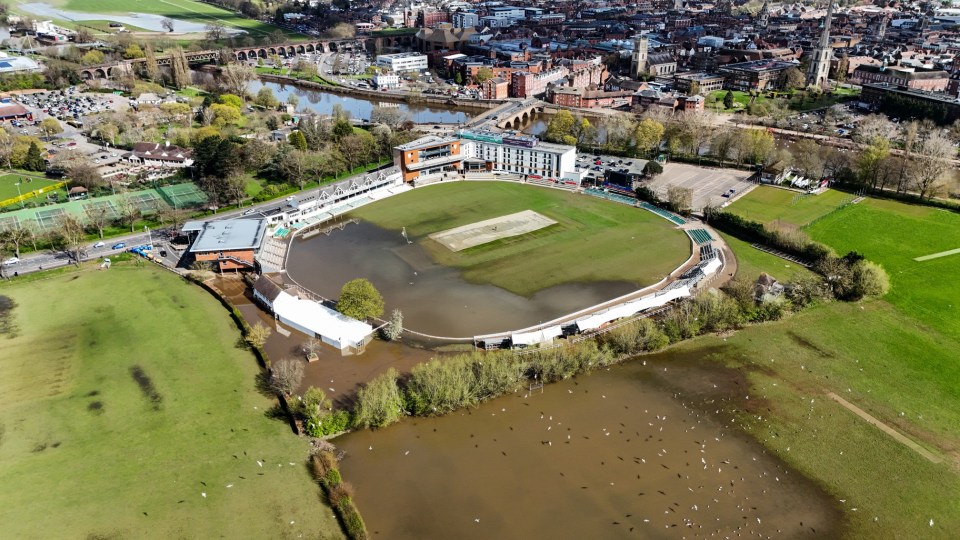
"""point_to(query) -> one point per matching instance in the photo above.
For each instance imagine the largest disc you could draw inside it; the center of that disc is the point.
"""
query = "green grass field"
(772, 205)
(88, 451)
(896, 358)
(751, 262)
(892, 234)
(593, 240)
(186, 10)
(8, 185)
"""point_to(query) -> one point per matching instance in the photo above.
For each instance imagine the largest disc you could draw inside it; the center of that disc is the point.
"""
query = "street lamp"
(19, 196)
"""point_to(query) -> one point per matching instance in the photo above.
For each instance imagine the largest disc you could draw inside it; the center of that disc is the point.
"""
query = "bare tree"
(167, 24)
(235, 78)
(935, 152)
(285, 376)
(70, 236)
(98, 217)
(129, 212)
(215, 31)
(680, 198)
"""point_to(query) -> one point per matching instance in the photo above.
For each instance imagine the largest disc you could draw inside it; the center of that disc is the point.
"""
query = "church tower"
(638, 62)
(763, 17)
(819, 70)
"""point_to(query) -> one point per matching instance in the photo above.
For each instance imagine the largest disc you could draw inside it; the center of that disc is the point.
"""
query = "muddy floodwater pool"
(614, 454)
(434, 299)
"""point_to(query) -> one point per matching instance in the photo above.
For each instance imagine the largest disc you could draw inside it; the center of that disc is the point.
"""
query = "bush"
(332, 478)
(378, 402)
(360, 300)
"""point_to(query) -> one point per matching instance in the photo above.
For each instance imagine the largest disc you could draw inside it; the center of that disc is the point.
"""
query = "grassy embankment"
(593, 240)
(896, 358)
(123, 400)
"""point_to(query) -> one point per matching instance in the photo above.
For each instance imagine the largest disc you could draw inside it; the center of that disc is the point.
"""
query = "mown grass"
(893, 234)
(123, 399)
(593, 240)
(8, 185)
(751, 262)
(896, 358)
(770, 205)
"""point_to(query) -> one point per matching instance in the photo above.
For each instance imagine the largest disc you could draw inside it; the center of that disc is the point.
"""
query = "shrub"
(332, 478)
(379, 402)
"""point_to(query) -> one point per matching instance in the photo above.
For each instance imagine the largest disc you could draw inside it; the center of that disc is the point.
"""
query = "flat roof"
(230, 235)
(429, 140)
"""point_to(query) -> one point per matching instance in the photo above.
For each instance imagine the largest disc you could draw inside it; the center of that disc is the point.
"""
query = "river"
(322, 103)
(620, 453)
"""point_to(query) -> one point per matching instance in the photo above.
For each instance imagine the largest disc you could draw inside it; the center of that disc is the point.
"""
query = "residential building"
(386, 80)
(525, 84)
(578, 96)
(489, 21)
(465, 19)
(403, 62)
(430, 19)
(495, 88)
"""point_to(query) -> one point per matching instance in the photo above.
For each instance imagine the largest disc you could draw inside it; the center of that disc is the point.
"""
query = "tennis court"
(183, 195)
(147, 202)
(48, 219)
(9, 223)
(98, 207)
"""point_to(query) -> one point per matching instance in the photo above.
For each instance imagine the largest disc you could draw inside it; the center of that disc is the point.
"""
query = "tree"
(50, 126)
(224, 114)
(92, 58)
(70, 236)
(167, 24)
(133, 51)
(791, 79)
(150, 68)
(935, 151)
(34, 160)
(129, 211)
(341, 31)
(232, 100)
(341, 128)
(648, 135)
(694, 88)
(266, 99)
(458, 78)
(257, 335)
(16, 236)
(652, 168)
(99, 217)
(379, 402)
(728, 100)
(390, 116)
(560, 126)
(215, 31)
(843, 66)
(176, 112)
(393, 329)
(83, 173)
(806, 158)
(870, 159)
(680, 199)
(483, 75)
(584, 132)
(360, 300)
(297, 140)
(180, 68)
(873, 126)
(285, 376)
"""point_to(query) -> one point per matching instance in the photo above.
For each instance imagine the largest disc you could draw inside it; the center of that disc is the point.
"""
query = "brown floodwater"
(620, 453)
(434, 299)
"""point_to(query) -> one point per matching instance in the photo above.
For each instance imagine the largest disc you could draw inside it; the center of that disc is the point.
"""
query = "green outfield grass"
(88, 451)
(769, 205)
(594, 239)
(8, 185)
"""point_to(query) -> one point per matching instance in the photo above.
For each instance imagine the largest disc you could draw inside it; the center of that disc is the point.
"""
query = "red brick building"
(900, 76)
(524, 84)
(495, 88)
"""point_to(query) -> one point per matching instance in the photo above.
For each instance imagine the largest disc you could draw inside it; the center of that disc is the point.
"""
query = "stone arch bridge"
(242, 54)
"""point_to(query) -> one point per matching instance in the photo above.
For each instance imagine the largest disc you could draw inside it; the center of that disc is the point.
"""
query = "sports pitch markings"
(938, 255)
(482, 232)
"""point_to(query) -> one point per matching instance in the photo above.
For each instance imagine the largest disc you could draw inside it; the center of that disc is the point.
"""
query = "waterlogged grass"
(893, 234)
(125, 398)
(881, 361)
(593, 240)
(771, 205)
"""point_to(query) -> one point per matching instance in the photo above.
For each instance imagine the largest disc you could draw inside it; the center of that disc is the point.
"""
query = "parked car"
(99, 245)
(11, 261)
(121, 245)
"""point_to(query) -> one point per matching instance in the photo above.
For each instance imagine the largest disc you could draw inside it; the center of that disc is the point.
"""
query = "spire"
(825, 35)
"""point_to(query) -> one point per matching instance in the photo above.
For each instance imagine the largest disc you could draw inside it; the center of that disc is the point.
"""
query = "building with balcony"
(403, 62)
(231, 244)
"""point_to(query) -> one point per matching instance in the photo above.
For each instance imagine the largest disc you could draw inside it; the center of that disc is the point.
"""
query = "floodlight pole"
(20, 196)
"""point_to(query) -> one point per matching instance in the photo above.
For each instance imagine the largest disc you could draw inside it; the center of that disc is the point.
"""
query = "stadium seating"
(663, 213)
(700, 236)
